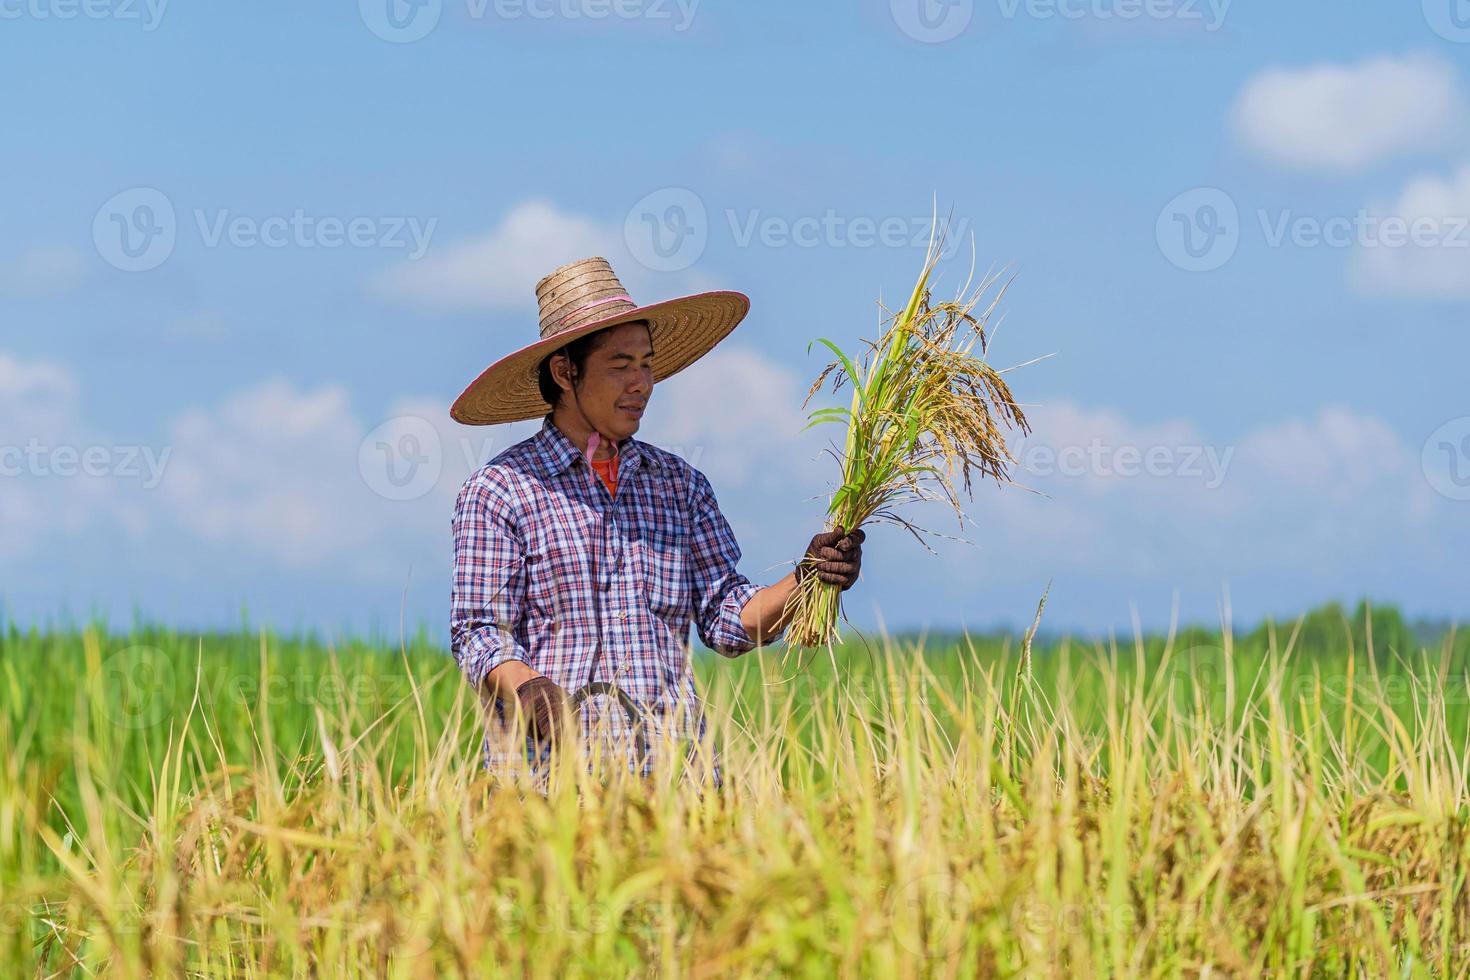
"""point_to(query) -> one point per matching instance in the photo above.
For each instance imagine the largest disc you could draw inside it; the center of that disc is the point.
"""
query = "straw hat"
(580, 298)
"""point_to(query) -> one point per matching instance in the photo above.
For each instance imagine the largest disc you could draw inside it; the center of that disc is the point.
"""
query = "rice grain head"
(925, 413)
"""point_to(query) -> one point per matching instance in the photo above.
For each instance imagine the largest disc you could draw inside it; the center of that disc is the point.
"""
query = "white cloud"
(296, 476)
(1345, 118)
(736, 415)
(37, 402)
(32, 389)
(1069, 440)
(280, 473)
(499, 269)
(1431, 256)
(275, 481)
(42, 271)
(273, 470)
(1337, 455)
(1310, 494)
(45, 488)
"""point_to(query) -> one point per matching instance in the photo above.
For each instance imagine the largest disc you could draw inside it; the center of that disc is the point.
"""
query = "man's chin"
(626, 423)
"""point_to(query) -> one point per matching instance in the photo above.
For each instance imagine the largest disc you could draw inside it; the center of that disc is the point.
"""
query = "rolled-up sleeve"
(489, 582)
(720, 592)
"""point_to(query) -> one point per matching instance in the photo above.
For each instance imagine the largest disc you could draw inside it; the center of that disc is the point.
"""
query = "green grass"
(1293, 801)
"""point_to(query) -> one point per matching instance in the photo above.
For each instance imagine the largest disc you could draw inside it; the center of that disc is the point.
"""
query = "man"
(582, 555)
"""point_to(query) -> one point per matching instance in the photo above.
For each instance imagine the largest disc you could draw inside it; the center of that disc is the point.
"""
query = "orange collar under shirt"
(608, 470)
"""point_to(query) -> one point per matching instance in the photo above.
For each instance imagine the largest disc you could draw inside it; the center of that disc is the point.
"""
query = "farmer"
(582, 555)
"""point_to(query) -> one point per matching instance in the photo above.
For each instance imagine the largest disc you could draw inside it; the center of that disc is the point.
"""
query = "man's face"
(617, 382)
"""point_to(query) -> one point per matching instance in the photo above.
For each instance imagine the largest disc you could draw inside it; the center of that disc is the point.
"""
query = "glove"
(542, 706)
(834, 557)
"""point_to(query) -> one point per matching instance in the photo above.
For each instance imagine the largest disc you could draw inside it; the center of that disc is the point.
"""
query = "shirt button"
(622, 614)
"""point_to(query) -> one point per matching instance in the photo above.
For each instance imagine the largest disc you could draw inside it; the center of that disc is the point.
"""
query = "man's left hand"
(835, 557)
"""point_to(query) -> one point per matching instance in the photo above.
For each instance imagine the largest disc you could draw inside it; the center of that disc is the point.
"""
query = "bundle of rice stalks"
(925, 408)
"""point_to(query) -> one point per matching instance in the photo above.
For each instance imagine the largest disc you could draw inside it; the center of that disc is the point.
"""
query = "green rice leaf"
(847, 365)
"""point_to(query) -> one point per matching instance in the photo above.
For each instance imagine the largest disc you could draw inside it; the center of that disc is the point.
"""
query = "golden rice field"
(1289, 803)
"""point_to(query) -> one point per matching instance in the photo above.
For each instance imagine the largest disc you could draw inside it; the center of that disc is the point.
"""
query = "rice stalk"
(928, 812)
(925, 410)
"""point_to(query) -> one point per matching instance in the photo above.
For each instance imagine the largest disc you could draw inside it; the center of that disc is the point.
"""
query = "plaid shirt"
(546, 559)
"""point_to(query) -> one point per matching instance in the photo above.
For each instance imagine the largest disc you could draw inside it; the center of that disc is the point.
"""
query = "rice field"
(1292, 802)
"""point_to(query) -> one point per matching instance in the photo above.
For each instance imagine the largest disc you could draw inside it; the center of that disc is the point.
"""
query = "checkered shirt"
(546, 560)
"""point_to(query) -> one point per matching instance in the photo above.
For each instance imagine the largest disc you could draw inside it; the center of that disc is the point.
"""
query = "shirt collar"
(557, 453)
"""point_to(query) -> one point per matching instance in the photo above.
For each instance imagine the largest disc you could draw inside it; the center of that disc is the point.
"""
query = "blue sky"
(1293, 372)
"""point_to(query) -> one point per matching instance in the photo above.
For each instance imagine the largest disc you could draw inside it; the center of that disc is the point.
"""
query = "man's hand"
(543, 706)
(834, 557)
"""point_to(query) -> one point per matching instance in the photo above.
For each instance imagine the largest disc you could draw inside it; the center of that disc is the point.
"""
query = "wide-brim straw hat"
(583, 297)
